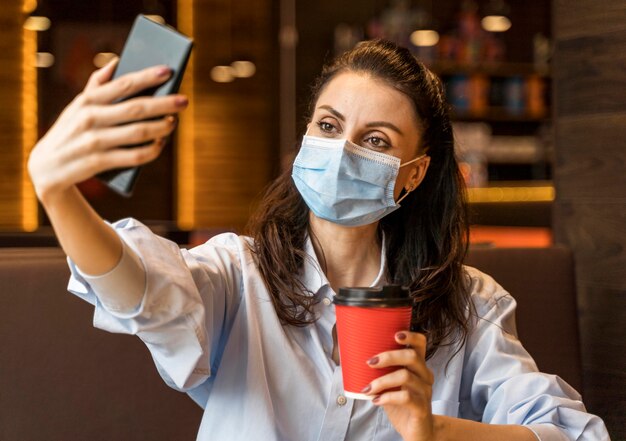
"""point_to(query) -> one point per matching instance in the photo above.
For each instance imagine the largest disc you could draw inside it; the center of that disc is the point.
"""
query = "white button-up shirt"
(208, 320)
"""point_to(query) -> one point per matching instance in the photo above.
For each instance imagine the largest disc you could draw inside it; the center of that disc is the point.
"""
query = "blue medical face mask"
(345, 183)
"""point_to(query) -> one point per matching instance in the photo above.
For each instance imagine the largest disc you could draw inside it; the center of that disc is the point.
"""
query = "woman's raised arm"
(86, 140)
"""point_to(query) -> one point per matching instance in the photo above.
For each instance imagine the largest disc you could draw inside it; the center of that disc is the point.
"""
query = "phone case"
(148, 44)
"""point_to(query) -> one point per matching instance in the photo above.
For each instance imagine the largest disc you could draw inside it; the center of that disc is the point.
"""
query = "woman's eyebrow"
(370, 124)
(384, 124)
(333, 111)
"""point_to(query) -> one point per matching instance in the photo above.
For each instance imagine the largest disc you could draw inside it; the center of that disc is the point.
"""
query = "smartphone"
(148, 44)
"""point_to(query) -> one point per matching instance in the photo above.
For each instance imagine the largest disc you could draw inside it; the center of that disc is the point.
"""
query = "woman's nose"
(352, 136)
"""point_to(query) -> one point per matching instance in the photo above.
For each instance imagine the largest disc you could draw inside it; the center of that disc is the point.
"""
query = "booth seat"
(61, 379)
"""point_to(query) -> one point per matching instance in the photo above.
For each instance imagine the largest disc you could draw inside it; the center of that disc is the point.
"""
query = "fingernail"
(182, 101)
(366, 389)
(171, 120)
(401, 336)
(376, 399)
(163, 71)
(373, 360)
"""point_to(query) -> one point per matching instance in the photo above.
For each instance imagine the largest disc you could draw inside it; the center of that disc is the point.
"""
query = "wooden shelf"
(503, 236)
(512, 192)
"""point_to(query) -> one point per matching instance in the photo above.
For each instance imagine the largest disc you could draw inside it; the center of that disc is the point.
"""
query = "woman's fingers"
(402, 378)
(404, 357)
(129, 134)
(126, 85)
(102, 75)
(405, 398)
(131, 157)
(136, 109)
(412, 358)
(414, 339)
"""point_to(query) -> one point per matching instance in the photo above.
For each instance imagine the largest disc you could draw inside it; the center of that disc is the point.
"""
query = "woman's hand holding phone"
(86, 138)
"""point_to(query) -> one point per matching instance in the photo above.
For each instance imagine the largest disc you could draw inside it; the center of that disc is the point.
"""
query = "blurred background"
(250, 75)
(536, 89)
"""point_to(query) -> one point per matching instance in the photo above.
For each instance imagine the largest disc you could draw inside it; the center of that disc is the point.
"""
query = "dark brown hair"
(426, 239)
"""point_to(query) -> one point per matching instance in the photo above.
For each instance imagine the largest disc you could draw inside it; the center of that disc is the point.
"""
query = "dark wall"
(590, 179)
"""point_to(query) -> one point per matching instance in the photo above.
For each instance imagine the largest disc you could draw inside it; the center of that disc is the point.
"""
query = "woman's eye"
(374, 141)
(325, 127)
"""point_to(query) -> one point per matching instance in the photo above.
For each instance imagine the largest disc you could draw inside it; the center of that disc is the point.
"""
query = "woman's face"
(372, 114)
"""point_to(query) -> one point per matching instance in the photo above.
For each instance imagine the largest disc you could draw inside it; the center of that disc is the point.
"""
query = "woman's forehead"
(359, 96)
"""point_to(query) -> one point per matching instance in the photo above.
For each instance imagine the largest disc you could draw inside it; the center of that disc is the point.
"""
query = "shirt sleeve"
(188, 303)
(503, 382)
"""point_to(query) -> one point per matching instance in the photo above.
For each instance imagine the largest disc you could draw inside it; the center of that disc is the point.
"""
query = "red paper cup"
(367, 321)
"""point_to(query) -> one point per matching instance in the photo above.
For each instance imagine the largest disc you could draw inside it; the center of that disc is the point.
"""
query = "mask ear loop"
(413, 160)
(411, 187)
(407, 192)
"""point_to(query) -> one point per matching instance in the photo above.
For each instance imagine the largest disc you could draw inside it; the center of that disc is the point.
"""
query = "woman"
(245, 325)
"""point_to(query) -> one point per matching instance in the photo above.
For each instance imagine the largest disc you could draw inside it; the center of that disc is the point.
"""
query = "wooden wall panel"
(589, 72)
(594, 162)
(590, 181)
(234, 130)
(18, 118)
(573, 20)
(596, 233)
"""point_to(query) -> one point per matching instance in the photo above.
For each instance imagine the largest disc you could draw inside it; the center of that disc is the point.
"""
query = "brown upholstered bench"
(543, 283)
(61, 379)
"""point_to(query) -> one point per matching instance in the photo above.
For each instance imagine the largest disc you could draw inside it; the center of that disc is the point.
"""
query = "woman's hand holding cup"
(406, 393)
(85, 139)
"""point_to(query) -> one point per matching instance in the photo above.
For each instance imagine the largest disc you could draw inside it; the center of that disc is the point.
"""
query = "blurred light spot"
(102, 58)
(156, 18)
(222, 74)
(243, 69)
(36, 23)
(29, 6)
(425, 38)
(288, 36)
(44, 59)
(496, 23)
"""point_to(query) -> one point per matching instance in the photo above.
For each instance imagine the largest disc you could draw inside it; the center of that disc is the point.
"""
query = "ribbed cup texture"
(364, 333)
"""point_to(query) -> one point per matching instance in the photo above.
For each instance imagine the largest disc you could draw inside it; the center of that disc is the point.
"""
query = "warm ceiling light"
(29, 6)
(102, 58)
(425, 38)
(36, 23)
(156, 18)
(44, 59)
(496, 23)
(222, 74)
(243, 69)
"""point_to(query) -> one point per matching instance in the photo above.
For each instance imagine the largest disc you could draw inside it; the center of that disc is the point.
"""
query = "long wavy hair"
(426, 239)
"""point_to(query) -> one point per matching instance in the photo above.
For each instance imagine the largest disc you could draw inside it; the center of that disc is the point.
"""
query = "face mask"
(345, 183)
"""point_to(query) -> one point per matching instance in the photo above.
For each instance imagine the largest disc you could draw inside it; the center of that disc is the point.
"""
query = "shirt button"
(326, 301)
(341, 400)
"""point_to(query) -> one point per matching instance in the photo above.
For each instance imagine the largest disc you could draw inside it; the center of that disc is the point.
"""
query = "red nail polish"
(182, 101)
(366, 389)
(373, 360)
(376, 399)
(401, 336)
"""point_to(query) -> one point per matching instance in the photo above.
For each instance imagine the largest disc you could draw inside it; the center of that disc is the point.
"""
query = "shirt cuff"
(548, 432)
(120, 290)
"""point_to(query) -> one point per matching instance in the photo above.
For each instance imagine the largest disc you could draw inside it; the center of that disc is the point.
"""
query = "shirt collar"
(313, 276)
